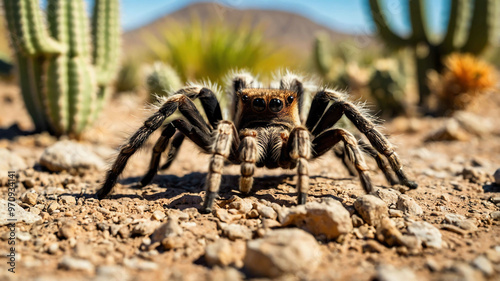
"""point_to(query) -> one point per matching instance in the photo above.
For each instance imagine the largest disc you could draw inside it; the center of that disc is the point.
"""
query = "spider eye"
(244, 98)
(290, 99)
(275, 105)
(259, 104)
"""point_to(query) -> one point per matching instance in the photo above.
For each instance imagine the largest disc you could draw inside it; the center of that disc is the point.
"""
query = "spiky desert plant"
(387, 88)
(162, 79)
(471, 28)
(463, 81)
(208, 51)
(65, 68)
(129, 76)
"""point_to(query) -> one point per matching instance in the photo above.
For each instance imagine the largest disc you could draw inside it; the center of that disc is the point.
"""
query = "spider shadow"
(182, 188)
(14, 131)
(491, 187)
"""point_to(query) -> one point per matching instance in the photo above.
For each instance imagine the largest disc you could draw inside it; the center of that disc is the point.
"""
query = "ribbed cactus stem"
(56, 62)
(461, 35)
(322, 56)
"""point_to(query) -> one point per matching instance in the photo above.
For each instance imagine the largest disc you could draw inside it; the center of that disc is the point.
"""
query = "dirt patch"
(79, 237)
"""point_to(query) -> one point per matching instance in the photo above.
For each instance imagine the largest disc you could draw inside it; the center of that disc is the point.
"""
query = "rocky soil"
(447, 229)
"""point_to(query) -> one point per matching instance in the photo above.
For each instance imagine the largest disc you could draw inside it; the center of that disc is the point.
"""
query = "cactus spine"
(470, 29)
(65, 68)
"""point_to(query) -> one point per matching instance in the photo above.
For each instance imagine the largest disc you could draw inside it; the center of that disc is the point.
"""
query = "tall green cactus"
(471, 28)
(64, 69)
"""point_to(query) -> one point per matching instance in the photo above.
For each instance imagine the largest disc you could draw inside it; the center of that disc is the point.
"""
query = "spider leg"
(299, 149)
(199, 137)
(381, 161)
(326, 140)
(176, 143)
(178, 101)
(160, 146)
(248, 153)
(225, 138)
(361, 121)
(341, 153)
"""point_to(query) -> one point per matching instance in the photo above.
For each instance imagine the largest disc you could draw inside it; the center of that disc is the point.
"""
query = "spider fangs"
(265, 131)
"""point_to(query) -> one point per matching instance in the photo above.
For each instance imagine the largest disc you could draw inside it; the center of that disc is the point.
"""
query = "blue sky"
(343, 15)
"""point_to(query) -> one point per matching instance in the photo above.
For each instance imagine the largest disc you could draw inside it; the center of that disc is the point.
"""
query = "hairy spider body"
(266, 131)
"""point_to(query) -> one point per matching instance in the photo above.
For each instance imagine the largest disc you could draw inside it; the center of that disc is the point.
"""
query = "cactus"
(322, 56)
(387, 88)
(470, 29)
(163, 79)
(65, 68)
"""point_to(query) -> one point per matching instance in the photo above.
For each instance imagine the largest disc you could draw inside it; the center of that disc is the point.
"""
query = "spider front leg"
(299, 150)
(248, 153)
(178, 101)
(224, 140)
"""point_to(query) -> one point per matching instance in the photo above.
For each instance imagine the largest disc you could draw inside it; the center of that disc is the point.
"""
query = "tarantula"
(265, 131)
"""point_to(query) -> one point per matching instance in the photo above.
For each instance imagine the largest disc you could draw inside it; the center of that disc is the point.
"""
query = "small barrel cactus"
(387, 87)
(162, 79)
(65, 68)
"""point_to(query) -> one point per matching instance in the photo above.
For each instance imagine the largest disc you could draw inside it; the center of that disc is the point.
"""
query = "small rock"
(69, 155)
(387, 272)
(111, 273)
(395, 213)
(328, 218)
(169, 229)
(371, 209)
(389, 196)
(158, 215)
(461, 221)
(19, 213)
(356, 220)
(450, 131)
(495, 200)
(52, 207)
(68, 200)
(67, 230)
(53, 248)
(223, 215)
(428, 234)
(484, 265)
(70, 263)
(496, 176)
(222, 253)
(266, 212)
(408, 205)
(282, 251)
(388, 233)
(135, 263)
(495, 215)
(23, 236)
(145, 228)
(241, 205)
(236, 231)
(10, 162)
(29, 198)
(373, 246)
(474, 175)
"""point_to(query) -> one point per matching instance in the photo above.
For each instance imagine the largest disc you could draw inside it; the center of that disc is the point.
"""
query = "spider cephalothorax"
(265, 130)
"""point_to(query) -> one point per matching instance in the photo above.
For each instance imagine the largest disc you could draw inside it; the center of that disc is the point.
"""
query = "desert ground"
(447, 229)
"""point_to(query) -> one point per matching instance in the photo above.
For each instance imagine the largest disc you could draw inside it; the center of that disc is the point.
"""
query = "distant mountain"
(285, 29)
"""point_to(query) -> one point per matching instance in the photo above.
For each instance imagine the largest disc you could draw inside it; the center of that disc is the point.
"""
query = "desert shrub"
(210, 51)
(462, 82)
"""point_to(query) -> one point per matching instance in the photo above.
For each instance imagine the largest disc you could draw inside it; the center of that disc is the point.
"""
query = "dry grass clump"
(464, 79)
